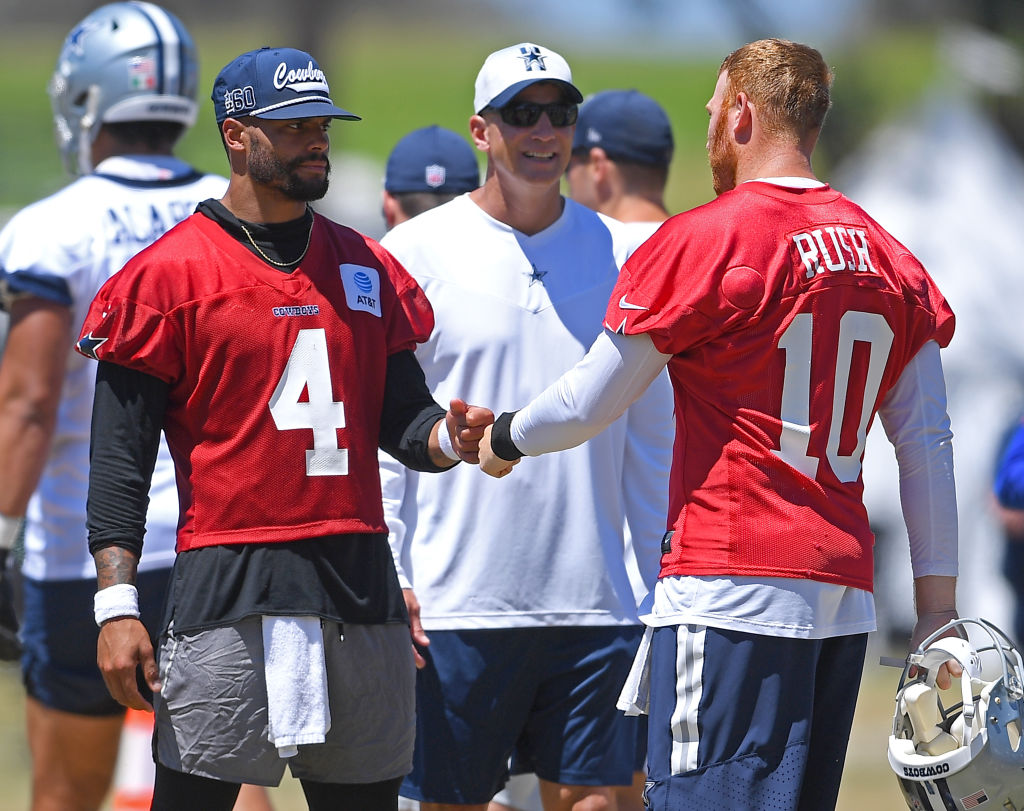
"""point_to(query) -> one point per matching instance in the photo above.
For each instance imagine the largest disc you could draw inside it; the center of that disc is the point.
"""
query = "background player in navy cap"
(427, 167)
(273, 348)
(521, 601)
(620, 160)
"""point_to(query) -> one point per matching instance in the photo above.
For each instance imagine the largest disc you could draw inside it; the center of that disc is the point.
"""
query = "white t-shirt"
(628, 236)
(544, 546)
(62, 249)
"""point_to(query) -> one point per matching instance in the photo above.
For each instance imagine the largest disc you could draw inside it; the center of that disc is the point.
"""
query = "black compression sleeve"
(127, 416)
(501, 438)
(409, 413)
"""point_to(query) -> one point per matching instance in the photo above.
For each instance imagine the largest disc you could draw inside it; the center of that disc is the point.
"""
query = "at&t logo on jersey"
(362, 288)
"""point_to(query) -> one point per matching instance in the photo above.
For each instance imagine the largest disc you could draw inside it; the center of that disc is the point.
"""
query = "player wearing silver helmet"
(123, 92)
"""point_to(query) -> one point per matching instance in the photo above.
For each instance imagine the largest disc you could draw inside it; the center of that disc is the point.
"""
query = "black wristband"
(501, 438)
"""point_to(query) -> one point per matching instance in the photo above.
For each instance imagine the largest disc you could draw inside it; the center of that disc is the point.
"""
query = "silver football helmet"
(961, 748)
(128, 61)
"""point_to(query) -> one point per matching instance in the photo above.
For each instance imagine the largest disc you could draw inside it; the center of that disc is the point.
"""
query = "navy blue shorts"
(545, 696)
(744, 721)
(59, 636)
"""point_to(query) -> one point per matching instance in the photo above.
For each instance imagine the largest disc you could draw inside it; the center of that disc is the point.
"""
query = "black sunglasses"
(528, 113)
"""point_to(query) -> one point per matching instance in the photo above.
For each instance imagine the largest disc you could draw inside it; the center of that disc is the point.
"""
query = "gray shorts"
(211, 715)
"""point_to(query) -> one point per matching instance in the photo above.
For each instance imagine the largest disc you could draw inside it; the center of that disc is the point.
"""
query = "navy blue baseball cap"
(275, 83)
(432, 159)
(627, 125)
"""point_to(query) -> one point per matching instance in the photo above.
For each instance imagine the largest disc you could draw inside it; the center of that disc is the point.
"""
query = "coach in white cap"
(518, 592)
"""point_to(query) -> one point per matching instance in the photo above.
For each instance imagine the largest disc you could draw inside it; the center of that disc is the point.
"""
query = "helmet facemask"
(130, 61)
(955, 749)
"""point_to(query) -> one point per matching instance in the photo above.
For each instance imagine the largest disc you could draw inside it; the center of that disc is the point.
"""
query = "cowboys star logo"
(88, 345)
(531, 56)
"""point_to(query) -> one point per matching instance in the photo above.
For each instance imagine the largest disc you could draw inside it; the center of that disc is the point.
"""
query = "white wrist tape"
(8, 530)
(444, 440)
(119, 600)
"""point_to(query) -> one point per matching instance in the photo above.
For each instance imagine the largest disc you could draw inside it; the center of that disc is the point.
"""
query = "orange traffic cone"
(135, 771)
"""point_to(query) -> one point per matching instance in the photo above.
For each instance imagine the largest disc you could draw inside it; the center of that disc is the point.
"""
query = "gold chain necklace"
(299, 258)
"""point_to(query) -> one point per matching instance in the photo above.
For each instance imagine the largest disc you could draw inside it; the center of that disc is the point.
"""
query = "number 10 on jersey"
(796, 341)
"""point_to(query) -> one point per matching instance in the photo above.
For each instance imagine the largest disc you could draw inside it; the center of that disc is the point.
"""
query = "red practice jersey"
(276, 379)
(789, 314)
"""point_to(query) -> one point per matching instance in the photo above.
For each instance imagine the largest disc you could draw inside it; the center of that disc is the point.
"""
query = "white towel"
(297, 709)
(635, 697)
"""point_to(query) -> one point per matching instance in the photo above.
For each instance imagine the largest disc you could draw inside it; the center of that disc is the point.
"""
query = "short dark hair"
(416, 202)
(154, 135)
(642, 174)
(637, 174)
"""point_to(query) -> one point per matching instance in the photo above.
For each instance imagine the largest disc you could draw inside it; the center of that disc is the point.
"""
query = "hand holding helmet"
(952, 755)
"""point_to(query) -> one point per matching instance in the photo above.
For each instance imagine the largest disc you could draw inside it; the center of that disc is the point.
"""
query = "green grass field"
(397, 79)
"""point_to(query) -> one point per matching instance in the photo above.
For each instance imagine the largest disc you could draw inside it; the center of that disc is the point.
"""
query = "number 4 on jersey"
(308, 370)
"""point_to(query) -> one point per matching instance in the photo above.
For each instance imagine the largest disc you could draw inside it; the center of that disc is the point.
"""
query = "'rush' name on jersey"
(833, 248)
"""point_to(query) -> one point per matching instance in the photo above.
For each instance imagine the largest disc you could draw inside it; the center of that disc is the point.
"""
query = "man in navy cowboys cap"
(273, 347)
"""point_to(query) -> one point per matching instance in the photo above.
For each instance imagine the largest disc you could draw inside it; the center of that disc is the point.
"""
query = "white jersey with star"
(543, 546)
(62, 248)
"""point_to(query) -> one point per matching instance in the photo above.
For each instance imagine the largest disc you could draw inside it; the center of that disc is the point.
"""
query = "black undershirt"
(284, 242)
(345, 578)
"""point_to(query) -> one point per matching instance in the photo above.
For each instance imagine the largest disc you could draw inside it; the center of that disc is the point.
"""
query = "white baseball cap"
(509, 70)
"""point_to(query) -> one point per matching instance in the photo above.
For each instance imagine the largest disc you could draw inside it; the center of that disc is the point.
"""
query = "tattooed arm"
(124, 643)
(127, 418)
(115, 565)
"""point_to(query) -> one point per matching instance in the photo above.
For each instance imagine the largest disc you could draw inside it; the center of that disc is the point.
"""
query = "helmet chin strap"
(88, 120)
